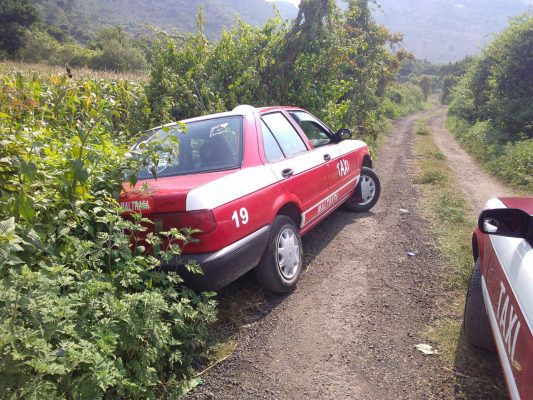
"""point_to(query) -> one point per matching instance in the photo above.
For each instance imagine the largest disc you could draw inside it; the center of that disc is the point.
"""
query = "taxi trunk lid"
(164, 195)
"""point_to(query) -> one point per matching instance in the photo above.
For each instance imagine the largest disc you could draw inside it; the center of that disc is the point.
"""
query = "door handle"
(286, 173)
(327, 157)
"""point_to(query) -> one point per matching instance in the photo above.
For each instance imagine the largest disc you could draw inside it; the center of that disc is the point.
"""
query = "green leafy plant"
(84, 312)
(490, 111)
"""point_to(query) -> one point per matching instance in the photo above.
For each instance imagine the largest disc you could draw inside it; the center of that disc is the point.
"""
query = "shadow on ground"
(478, 373)
(244, 302)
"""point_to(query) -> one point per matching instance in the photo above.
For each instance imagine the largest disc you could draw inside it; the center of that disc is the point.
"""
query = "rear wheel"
(281, 264)
(366, 193)
(476, 322)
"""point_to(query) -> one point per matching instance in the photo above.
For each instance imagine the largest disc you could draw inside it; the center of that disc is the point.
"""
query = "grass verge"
(476, 373)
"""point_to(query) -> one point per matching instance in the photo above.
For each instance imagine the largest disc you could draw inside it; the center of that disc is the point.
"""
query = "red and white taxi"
(499, 305)
(253, 180)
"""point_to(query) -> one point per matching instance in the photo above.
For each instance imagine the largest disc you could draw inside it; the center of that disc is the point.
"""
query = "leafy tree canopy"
(16, 16)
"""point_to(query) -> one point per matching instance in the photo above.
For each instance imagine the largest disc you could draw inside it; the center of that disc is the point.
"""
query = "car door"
(341, 163)
(300, 170)
(508, 292)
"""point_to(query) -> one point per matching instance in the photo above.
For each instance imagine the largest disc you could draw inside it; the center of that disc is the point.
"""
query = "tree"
(16, 16)
(498, 85)
(117, 51)
(425, 83)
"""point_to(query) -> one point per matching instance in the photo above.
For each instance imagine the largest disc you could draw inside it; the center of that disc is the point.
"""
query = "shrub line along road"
(349, 329)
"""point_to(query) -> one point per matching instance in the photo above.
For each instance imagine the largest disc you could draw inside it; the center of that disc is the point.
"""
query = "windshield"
(203, 146)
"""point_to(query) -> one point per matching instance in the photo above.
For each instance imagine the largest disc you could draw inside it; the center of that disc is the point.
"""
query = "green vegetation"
(16, 16)
(426, 82)
(112, 49)
(491, 113)
(475, 373)
(116, 35)
(450, 75)
(402, 99)
(440, 31)
(83, 19)
(84, 314)
(42, 31)
(422, 128)
(337, 65)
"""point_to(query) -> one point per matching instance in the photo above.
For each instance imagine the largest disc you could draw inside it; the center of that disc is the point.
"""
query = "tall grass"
(28, 70)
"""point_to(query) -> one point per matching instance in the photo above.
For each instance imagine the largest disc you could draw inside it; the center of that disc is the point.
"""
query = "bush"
(116, 52)
(112, 50)
(511, 161)
(40, 46)
(515, 164)
(490, 109)
(337, 65)
(83, 314)
(402, 99)
(498, 85)
(73, 55)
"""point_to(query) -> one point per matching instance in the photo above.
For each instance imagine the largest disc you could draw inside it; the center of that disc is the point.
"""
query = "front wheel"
(476, 324)
(366, 193)
(281, 264)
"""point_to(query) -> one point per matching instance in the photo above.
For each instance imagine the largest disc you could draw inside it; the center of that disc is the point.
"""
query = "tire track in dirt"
(476, 185)
(349, 329)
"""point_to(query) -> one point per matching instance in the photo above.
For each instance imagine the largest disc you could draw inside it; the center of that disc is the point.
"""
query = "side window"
(312, 128)
(272, 149)
(288, 139)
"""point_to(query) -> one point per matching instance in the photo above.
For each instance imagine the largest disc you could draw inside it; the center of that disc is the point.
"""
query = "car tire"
(281, 264)
(367, 192)
(476, 324)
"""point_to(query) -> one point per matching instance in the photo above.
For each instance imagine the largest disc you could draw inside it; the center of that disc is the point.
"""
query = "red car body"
(235, 206)
(506, 266)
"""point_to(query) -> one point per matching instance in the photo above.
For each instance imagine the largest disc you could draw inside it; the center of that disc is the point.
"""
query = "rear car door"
(508, 292)
(300, 170)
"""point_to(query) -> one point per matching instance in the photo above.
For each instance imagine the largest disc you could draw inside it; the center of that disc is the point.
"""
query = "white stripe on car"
(249, 180)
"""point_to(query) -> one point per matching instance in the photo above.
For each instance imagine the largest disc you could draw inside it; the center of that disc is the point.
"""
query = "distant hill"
(447, 30)
(437, 30)
(81, 18)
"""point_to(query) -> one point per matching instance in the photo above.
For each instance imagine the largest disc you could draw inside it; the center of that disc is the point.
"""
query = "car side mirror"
(510, 222)
(343, 134)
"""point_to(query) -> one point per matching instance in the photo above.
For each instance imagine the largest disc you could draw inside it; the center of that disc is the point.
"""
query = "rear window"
(204, 146)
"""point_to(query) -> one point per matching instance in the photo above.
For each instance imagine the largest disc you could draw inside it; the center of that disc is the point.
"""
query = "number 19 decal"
(241, 217)
(343, 167)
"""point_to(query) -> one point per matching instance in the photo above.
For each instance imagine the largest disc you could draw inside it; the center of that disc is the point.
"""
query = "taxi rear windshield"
(202, 146)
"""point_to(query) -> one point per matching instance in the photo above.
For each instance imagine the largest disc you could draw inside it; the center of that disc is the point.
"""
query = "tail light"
(202, 220)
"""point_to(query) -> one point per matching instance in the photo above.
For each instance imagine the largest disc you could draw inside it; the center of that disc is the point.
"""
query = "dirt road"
(476, 186)
(349, 329)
